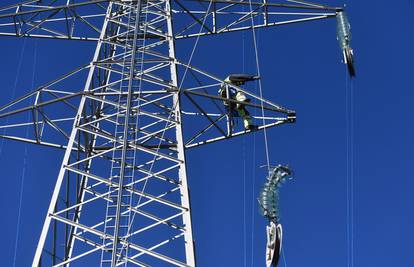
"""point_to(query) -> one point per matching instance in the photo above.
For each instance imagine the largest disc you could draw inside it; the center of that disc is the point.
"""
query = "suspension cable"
(263, 121)
(16, 79)
(25, 156)
(260, 85)
(253, 200)
(284, 256)
(244, 161)
(349, 168)
(195, 45)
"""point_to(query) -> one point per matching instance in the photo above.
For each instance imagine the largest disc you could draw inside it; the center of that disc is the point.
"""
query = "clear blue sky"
(301, 69)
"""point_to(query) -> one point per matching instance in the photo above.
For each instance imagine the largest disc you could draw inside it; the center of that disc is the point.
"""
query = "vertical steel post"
(185, 200)
(69, 148)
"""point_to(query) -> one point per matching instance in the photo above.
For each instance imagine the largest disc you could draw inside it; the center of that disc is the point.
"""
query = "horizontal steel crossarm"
(101, 98)
(255, 13)
(22, 19)
(40, 105)
(220, 138)
(304, 6)
(42, 9)
(34, 123)
(233, 11)
(189, 91)
(228, 100)
(215, 115)
(210, 27)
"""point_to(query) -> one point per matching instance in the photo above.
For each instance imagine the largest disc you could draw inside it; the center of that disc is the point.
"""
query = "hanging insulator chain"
(344, 38)
(269, 196)
(269, 207)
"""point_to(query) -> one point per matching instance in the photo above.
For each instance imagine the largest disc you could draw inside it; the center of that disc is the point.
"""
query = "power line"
(25, 156)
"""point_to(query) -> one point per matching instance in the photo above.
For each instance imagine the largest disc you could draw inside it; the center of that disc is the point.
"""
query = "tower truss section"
(121, 197)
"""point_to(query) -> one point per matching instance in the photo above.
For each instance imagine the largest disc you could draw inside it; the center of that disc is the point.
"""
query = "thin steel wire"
(16, 79)
(244, 163)
(25, 156)
(253, 201)
(349, 169)
(260, 85)
(262, 112)
(352, 177)
(284, 256)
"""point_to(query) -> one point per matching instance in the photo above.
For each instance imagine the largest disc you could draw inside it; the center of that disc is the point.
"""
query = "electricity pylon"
(121, 197)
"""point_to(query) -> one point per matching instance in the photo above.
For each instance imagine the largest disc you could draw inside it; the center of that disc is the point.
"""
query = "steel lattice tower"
(121, 197)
